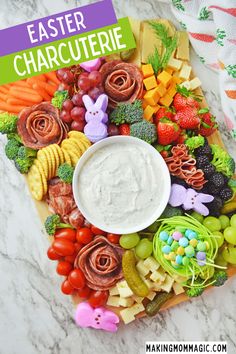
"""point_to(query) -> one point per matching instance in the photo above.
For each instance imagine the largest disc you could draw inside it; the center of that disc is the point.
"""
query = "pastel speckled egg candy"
(189, 251)
(174, 246)
(166, 249)
(185, 261)
(190, 234)
(193, 242)
(183, 242)
(180, 251)
(201, 246)
(177, 235)
(179, 259)
(163, 236)
(201, 256)
(170, 240)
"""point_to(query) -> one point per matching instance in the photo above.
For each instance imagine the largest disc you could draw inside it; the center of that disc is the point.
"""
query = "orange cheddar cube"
(172, 89)
(176, 80)
(166, 100)
(144, 104)
(164, 77)
(169, 71)
(147, 70)
(161, 89)
(148, 113)
(150, 82)
(152, 97)
(156, 108)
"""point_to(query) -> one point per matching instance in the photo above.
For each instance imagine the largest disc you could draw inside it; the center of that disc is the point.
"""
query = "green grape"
(224, 220)
(220, 260)
(233, 220)
(129, 241)
(144, 248)
(212, 223)
(229, 254)
(230, 235)
(197, 216)
(220, 237)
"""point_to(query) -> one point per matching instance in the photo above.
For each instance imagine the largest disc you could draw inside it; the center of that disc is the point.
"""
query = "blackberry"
(212, 189)
(217, 179)
(215, 206)
(204, 190)
(204, 150)
(226, 194)
(202, 161)
(179, 181)
(208, 170)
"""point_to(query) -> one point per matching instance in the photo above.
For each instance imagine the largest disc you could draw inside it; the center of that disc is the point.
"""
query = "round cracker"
(53, 149)
(49, 160)
(35, 182)
(42, 157)
(60, 153)
(72, 146)
(74, 158)
(79, 144)
(79, 136)
(67, 157)
(43, 176)
(53, 162)
(84, 145)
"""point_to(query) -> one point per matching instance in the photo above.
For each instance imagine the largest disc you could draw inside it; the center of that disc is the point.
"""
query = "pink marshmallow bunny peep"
(96, 117)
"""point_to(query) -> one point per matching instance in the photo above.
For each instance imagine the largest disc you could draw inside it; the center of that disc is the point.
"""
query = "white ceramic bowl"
(163, 197)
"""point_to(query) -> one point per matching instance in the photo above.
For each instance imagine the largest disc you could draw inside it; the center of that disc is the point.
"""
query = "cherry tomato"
(98, 298)
(66, 234)
(64, 268)
(63, 247)
(78, 247)
(113, 238)
(71, 259)
(96, 231)
(84, 235)
(66, 287)
(52, 254)
(85, 292)
(77, 279)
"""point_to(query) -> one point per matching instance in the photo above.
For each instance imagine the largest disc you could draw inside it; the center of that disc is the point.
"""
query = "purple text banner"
(52, 28)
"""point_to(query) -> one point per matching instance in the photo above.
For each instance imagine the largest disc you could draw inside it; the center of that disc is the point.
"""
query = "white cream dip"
(120, 185)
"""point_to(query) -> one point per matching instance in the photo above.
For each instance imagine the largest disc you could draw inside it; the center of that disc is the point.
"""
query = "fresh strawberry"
(208, 122)
(124, 129)
(184, 98)
(167, 131)
(164, 154)
(187, 118)
(163, 112)
(182, 137)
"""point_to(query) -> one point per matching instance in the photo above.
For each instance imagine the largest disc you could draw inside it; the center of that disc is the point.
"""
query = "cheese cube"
(151, 295)
(164, 78)
(151, 264)
(159, 275)
(147, 282)
(113, 301)
(155, 276)
(174, 64)
(157, 286)
(127, 315)
(114, 291)
(128, 302)
(195, 83)
(156, 108)
(182, 46)
(176, 79)
(152, 97)
(166, 100)
(148, 113)
(185, 72)
(168, 283)
(138, 299)
(178, 289)
(150, 82)
(147, 70)
(124, 289)
(172, 89)
(145, 104)
(141, 268)
(169, 71)
(161, 90)
(137, 308)
(186, 84)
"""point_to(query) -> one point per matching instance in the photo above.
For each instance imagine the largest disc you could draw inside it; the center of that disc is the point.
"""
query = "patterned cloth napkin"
(212, 31)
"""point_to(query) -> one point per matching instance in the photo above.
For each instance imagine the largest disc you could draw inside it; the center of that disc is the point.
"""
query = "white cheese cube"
(124, 289)
(113, 301)
(178, 289)
(127, 302)
(195, 83)
(151, 295)
(174, 64)
(157, 286)
(147, 282)
(151, 264)
(186, 84)
(114, 291)
(127, 315)
(158, 276)
(137, 308)
(141, 268)
(168, 283)
(185, 72)
(138, 299)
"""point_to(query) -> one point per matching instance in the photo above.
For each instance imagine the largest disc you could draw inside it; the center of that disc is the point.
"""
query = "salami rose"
(40, 126)
(123, 82)
(100, 261)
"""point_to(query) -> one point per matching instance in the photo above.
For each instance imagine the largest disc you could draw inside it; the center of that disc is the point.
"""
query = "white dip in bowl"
(121, 184)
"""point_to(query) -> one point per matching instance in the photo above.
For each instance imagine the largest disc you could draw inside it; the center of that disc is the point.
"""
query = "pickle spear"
(132, 276)
(154, 306)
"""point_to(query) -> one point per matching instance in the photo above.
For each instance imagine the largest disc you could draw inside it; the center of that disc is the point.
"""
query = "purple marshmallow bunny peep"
(96, 117)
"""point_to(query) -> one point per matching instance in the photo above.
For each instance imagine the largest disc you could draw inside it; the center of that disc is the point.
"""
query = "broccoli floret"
(220, 277)
(23, 165)
(8, 123)
(127, 113)
(65, 173)
(222, 161)
(171, 211)
(14, 136)
(53, 222)
(27, 153)
(196, 290)
(145, 131)
(12, 148)
(194, 142)
(59, 98)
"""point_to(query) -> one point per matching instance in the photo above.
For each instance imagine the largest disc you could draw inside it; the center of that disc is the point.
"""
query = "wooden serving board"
(42, 206)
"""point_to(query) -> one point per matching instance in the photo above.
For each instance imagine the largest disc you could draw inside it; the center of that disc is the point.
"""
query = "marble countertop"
(35, 316)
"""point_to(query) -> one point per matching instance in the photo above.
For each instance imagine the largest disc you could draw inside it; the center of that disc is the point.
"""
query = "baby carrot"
(3, 97)
(42, 92)
(26, 96)
(24, 90)
(10, 108)
(53, 77)
(21, 84)
(18, 102)
(4, 90)
(41, 78)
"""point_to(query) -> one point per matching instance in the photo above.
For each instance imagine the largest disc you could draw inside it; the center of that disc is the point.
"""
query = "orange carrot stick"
(4, 90)
(24, 90)
(10, 108)
(41, 78)
(3, 97)
(53, 77)
(7, 86)
(33, 80)
(21, 84)
(18, 102)
(26, 96)
(42, 92)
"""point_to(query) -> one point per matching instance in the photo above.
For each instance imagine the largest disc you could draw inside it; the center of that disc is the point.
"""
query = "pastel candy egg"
(166, 249)
(201, 263)
(167, 256)
(189, 251)
(201, 246)
(180, 251)
(180, 229)
(193, 242)
(163, 236)
(177, 235)
(207, 245)
(183, 242)
(174, 264)
(188, 232)
(174, 246)
(172, 256)
(179, 259)
(185, 261)
(201, 256)
(170, 240)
